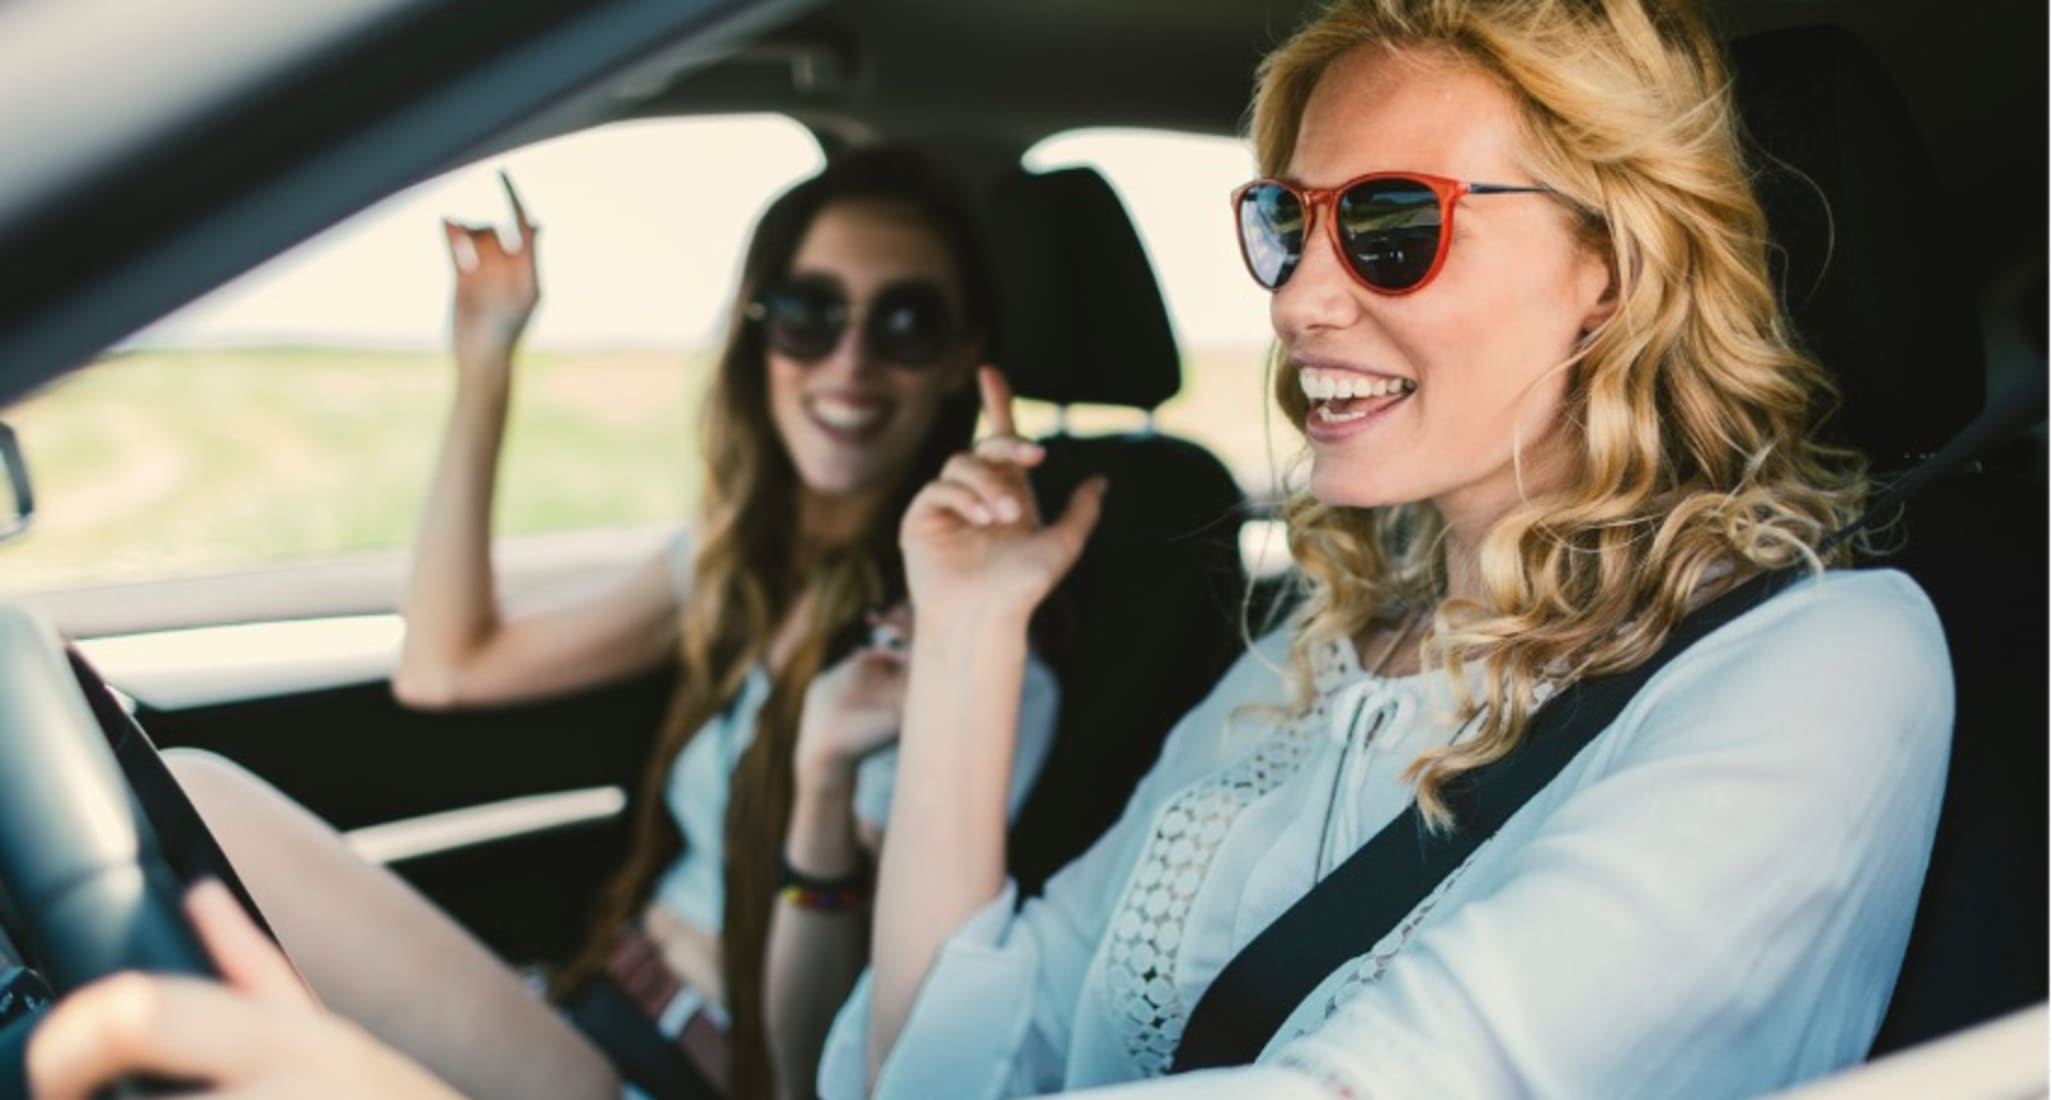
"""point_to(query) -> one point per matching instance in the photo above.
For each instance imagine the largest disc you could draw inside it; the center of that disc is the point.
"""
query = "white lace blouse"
(1712, 900)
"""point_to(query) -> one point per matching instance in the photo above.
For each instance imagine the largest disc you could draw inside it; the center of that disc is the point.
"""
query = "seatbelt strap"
(14, 1037)
(1347, 914)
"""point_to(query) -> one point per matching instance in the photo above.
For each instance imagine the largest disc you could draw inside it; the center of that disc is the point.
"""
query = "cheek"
(1499, 359)
(795, 434)
(786, 389)
(786, 380)
(919, 398)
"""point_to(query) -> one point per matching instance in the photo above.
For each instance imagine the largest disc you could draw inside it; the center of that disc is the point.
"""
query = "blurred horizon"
(296, 412)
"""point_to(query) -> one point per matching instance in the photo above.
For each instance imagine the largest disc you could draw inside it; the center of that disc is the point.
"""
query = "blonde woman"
(1525, 324)
(1539, 439)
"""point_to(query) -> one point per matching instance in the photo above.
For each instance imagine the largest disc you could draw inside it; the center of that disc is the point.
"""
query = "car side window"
(295, 414)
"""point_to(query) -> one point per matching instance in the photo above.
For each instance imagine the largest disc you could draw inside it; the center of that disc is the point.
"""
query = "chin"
(832, 481)
(839, 472)
(1339, 487)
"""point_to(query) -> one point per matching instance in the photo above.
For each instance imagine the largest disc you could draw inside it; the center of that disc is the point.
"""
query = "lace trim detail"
(1333, 667)
(1369, 968)
(1147, 929)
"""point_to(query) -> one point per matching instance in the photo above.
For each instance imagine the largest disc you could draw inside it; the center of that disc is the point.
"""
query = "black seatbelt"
(1347, 914)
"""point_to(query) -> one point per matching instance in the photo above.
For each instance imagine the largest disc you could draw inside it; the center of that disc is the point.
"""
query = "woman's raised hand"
(973, 540)
(496, 287)
(855, 707)
(259, 1035)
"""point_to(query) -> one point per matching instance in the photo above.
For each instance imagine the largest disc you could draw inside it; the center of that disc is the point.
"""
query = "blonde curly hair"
(1689, 411)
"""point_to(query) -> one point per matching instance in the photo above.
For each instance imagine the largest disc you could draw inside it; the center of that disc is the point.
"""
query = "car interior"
(1900, 158)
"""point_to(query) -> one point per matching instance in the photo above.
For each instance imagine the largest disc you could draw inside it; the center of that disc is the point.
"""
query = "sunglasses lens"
(910, 324)
(1271, 232)
(803, 318)
(1390, 228)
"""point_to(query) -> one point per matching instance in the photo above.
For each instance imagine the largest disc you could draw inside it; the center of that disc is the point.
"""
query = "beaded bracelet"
(823, 901)
(826, 895)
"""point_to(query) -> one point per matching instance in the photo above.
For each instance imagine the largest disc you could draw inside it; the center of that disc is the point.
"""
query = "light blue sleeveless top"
(694, 886)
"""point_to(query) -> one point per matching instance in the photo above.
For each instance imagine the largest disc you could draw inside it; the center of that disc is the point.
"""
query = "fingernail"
(1008, 509)
(209, 896)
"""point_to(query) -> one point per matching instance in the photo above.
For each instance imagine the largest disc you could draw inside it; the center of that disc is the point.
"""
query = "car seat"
(1149, 618)
(1866, 268)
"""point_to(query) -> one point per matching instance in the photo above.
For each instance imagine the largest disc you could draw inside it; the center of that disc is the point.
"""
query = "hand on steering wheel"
(104, 915)
(259, 1035)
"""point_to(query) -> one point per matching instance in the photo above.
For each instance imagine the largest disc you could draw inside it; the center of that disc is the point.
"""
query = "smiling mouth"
(1338, 396)
(850, 418)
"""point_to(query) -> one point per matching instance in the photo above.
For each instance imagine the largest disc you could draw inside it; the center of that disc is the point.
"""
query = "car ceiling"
(1001, 74)
(982, 79)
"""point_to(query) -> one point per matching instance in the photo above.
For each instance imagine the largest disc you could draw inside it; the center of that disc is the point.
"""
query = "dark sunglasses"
(908, 323)
(1391, 228)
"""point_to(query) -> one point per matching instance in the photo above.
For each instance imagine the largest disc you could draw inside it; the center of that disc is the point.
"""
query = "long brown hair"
(744, 583)
(1690, 410)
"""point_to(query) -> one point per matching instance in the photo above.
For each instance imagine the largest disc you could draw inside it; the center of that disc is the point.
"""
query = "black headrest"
(1874, 283)
(1084, 319)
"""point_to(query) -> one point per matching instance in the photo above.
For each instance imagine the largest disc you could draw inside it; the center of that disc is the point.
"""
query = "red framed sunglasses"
(1390, 228)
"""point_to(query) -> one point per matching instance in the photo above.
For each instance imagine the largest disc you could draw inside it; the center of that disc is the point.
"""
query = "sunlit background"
(295, 414)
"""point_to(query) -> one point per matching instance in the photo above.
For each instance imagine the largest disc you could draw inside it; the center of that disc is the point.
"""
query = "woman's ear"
(1598, 287)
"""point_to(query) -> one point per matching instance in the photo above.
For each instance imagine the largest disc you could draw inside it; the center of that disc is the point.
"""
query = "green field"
(164, 463)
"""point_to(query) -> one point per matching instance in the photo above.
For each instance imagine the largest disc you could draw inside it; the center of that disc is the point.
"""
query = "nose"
(850, 355)
(1318, 295)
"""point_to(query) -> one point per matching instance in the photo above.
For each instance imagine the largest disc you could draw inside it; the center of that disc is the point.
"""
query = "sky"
(642, 229)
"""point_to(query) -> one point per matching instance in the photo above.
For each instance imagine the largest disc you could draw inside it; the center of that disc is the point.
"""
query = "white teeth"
(1330, 385)
(846, 415)
(1325, 413)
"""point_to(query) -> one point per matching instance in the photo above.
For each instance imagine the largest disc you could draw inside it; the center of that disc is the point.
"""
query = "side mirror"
(17, 500)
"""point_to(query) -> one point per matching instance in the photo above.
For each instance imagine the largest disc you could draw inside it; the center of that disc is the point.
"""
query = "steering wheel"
(80, 865)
